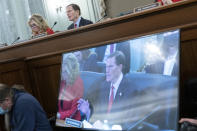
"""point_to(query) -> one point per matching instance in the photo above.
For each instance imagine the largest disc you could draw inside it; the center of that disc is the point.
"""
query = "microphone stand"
(54, 24)
(15, 40)
(102, 18)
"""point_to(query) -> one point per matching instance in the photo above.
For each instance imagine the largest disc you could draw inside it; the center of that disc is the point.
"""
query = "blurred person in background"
(87, 60)
(169, 65)
(70, 102)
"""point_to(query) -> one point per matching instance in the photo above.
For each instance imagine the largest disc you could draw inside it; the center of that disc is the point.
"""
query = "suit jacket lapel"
(119, 92)
(81, 22)
(105, 95)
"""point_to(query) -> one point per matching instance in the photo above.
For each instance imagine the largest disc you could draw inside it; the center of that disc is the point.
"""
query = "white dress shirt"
(116, 85)
(78, 22)
(169, 64)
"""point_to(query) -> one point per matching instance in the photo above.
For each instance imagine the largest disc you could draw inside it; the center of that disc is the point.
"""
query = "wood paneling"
(15, 72)
(188, 70)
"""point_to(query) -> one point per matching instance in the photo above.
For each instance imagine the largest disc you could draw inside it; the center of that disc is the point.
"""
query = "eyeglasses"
(33, 25)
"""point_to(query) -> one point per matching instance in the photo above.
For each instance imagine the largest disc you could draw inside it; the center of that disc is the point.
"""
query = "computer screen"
(125, 85)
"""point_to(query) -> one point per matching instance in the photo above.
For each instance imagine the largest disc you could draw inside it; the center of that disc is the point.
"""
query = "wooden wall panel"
(45, 74)
(188, 70)
(15, 72)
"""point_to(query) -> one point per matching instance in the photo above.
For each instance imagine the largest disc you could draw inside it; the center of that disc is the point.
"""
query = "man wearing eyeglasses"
(25, 112)
(74, 14)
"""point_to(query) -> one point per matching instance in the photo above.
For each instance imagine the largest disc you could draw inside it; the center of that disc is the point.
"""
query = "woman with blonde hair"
(71, 89)
(39, 26)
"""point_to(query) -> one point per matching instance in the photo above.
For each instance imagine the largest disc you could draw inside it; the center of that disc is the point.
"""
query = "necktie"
(111, 99)
(75, 25)
(111, 48)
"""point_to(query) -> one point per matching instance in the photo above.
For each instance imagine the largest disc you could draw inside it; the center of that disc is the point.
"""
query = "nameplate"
(73, 123)
(147, 7)
(126, 13)
(40, 35)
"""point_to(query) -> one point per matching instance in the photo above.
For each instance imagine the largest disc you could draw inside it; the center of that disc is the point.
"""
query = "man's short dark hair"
(119, 57)
(76, 7)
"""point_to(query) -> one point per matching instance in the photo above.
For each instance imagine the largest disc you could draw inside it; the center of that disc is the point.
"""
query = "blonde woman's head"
(70, 68)
(37, 24)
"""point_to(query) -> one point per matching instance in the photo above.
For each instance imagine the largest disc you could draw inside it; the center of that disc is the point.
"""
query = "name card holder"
(147, 7)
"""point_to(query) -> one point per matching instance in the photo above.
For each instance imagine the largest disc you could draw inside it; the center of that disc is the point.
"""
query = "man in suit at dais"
(74, 14)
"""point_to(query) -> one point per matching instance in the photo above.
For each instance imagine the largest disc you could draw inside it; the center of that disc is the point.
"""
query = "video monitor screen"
(128, 85)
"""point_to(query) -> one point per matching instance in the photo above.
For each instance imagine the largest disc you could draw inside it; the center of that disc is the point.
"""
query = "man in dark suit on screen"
(115, 92)
(74, 14)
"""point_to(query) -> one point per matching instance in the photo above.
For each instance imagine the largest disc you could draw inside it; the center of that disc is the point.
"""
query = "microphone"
(54, 24)
(102, 18)
(125, 13)
(15, 40)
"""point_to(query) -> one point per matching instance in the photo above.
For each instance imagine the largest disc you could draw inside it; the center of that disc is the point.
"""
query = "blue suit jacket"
(82, 22)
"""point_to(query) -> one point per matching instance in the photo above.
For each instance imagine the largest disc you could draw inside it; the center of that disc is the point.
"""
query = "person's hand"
(83, 106)
(194, 121)
(58, 115)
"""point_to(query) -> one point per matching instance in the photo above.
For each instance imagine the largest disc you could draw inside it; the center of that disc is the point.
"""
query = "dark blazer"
(122, 46)
(27, 114)
(122, 102)
(89, 64)
(158, 68)
(82, 22)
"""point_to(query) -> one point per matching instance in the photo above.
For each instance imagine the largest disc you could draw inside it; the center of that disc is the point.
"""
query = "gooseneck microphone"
(15, 40)
(102, 18)
(54, 24)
